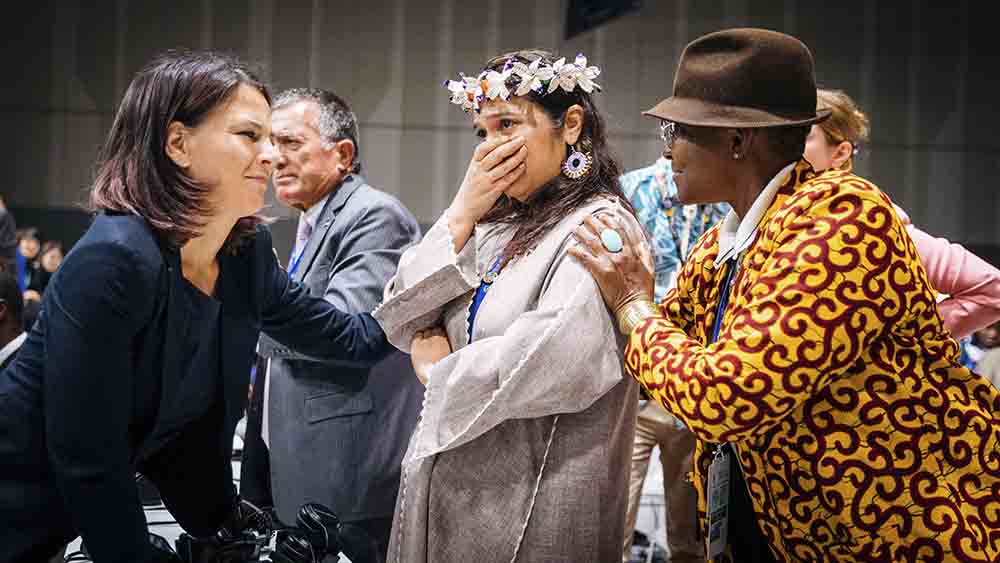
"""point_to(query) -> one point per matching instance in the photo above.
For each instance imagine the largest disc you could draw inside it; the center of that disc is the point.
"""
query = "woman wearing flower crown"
(522, 451)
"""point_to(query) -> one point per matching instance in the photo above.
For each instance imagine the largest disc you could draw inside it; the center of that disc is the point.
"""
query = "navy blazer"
(96, 393)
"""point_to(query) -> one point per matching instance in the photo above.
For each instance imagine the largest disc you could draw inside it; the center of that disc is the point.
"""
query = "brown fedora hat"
(743, 78)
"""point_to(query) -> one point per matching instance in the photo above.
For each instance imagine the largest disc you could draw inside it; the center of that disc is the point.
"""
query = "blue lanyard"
(295, 261)
(724, 298)
(484, 286)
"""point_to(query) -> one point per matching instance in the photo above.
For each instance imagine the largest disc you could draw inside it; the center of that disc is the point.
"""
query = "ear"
(739, 142)
(572, 124)
(178, 148)
(842, 154)
(346, 152)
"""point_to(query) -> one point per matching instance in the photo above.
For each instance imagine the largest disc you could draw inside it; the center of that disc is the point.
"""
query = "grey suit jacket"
(338, 433)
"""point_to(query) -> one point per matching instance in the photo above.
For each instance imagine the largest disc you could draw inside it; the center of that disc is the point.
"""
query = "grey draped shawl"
(523, 449)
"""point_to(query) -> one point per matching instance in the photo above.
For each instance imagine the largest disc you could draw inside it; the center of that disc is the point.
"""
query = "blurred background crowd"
(31, 258)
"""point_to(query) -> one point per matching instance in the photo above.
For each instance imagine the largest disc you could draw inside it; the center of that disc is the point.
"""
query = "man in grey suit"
(336, 433)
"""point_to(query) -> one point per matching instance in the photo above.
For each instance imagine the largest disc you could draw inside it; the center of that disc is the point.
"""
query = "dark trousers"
(369, 538)
(746, 542)
(365, 541)
(255, 469)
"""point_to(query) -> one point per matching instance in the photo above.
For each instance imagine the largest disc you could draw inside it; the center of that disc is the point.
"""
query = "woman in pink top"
(970, 286)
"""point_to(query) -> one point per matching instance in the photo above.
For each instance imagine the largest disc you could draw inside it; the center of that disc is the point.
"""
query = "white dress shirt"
(735, 234)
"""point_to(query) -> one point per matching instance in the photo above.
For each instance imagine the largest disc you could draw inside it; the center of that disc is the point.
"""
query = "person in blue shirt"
(673, 229)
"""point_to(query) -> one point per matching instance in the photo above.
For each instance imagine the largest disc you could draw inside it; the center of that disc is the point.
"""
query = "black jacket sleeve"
(311, 325)
(96, 303)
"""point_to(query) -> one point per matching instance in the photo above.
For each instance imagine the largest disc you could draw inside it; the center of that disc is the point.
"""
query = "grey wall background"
(925, 72)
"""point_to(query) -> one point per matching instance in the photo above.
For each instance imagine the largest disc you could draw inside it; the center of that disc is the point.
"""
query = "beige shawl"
(523, 448)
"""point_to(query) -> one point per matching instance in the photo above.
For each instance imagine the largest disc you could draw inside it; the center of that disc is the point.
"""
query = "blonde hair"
(847, 122)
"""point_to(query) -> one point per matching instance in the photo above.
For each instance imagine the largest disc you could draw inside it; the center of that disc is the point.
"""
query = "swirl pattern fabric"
(861, 436)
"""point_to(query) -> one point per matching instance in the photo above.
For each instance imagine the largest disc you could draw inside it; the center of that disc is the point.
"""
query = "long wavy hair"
(135, 175)
(560, 196)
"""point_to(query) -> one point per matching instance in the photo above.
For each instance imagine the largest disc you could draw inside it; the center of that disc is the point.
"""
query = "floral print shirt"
(672, 227)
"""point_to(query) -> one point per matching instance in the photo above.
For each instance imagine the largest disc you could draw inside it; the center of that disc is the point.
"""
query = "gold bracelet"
(633, 313)
(634, 299)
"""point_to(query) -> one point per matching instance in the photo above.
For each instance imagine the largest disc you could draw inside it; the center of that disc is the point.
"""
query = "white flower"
(565, 76)
(464, 92)
(556, 69)
(536, 77)
(532, 77)
(587, 74)
(494, 84)
(457, 89)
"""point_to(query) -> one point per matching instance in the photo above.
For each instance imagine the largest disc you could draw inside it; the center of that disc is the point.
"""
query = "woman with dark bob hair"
(140, 356)
(524, 443)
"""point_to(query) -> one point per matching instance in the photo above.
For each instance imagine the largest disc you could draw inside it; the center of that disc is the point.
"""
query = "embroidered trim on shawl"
(534, 493)
(405, 470)
(402, 511)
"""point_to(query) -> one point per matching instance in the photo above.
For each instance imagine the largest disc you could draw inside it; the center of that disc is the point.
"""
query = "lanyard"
(724, 298)
(484, 286)
(294, 265)
(721, 474)
(295, 261)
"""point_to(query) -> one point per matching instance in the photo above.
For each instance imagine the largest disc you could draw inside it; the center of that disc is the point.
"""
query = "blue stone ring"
(612, 240)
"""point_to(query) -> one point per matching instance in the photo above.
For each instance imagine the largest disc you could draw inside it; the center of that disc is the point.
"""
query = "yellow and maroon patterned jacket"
(860, 435)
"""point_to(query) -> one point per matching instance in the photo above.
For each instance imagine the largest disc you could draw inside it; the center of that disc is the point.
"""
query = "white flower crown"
(537, 77)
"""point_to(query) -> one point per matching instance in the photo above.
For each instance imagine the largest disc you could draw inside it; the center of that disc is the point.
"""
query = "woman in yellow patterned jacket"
(802, 345)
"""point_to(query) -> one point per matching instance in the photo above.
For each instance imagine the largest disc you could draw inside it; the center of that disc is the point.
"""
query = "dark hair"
(336, 120)
(26, 232)
(135, 174)
(561, 196)
(49, 246)
(11, 296)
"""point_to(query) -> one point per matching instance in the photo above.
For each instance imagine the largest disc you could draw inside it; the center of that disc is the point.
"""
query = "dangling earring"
(577, 164)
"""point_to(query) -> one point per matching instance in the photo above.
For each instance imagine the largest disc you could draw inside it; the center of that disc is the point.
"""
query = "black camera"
(252, 534)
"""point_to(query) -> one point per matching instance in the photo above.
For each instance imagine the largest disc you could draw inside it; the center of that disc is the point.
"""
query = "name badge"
(718, 502)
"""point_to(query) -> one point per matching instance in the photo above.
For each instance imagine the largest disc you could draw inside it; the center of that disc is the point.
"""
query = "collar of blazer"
(334, 204)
